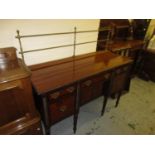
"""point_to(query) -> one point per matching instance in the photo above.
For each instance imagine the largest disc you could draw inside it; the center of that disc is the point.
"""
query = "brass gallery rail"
(74, 44)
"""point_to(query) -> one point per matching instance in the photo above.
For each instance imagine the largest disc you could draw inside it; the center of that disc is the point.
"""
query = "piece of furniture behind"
(131, 49)
(149, 63)
(17, 110)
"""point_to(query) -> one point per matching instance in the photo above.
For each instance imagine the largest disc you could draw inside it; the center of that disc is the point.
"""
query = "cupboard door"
(15, 100)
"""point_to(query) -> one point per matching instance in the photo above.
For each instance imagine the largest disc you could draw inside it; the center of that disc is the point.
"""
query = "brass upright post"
(74, 50)
(20, 44)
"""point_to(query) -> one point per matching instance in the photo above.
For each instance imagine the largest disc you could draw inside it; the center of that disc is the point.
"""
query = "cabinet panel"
(98, 83)
(86, 91)
(121, 80)
(17, 111)
(15, 101)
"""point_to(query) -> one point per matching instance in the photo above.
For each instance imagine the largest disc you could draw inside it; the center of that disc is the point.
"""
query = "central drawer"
(62, 103)
(92, 88)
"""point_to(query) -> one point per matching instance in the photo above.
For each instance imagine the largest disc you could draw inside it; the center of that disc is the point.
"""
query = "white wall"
(8, 32)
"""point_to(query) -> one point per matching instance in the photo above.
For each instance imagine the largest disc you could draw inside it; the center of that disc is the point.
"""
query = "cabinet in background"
(17, 109)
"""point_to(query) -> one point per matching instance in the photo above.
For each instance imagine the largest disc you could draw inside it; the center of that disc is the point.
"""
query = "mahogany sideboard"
(18, 114)
(62, 86)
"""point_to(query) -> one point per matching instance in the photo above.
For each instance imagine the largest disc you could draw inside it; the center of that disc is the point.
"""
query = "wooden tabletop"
(67, 71)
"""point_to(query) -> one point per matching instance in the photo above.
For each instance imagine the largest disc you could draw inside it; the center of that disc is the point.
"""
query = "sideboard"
(62, 86)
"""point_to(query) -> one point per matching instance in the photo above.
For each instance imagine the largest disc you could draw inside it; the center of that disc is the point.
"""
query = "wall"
(8, 32)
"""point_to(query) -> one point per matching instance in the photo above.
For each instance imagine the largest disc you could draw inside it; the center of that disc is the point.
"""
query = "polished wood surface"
(62, 86)
(11, 68)
(55, 76)
(7, 54)
(17, 107)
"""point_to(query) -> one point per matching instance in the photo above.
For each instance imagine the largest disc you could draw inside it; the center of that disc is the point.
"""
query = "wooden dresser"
(62, 86)
(17, 109)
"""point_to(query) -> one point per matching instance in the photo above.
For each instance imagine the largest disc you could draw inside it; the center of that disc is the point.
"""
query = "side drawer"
(62, 104)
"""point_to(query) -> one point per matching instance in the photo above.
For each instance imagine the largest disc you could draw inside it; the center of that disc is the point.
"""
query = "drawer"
(62, 108)
(122, 69)
(56, 95)
(62, 104)
(101, 77)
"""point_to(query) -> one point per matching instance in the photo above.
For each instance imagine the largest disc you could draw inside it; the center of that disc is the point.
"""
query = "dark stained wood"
(23, 126)
(140, 27)
(149, 63)
(131, 44)
(62, 103)
(16, 100)
(63, 86)
(56, 76)
(7, 54)
(118, 82)
(125, 39)
(130, 48)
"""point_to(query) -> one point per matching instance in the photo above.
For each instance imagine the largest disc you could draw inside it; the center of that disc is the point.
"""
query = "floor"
(135, 114)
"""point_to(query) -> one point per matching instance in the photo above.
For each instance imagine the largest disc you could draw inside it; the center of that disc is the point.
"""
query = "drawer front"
(62, 104)
(56, 95)
(101, 77)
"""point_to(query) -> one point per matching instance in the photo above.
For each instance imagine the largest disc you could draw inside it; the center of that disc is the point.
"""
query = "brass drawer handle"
(70, 89)
(55, 95)
(88, 83)
(63, 108)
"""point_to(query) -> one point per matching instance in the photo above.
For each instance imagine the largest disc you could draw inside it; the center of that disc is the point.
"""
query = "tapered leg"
(118, 98)
(47, 130)
(76, 108)
(104, 105)
(46, 115)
